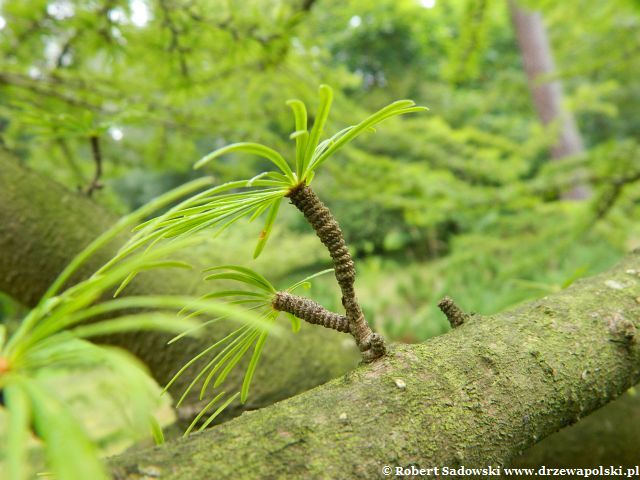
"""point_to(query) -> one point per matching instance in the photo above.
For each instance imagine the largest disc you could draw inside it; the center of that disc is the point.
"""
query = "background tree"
(547, 94)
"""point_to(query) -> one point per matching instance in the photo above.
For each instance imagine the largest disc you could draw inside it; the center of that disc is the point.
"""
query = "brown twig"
(326, 227)
(97, 159)
(455, 314)
(310, 311)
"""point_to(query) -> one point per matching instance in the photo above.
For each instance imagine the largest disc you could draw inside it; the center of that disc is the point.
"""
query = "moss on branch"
(478, 395)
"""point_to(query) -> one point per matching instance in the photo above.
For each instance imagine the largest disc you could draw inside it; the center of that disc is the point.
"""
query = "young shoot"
(255, 293)
(217, 208)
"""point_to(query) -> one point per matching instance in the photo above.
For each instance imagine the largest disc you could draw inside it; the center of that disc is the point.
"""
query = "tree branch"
(609, 436)
(476, 396)
(42, 225)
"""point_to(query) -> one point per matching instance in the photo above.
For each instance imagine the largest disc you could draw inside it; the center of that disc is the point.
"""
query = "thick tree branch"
(477, 396)
(608, 436)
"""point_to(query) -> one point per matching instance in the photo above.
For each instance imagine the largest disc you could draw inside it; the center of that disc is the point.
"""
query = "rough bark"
(453, 312)
(547, 94)
(476, 396)
(42, 225)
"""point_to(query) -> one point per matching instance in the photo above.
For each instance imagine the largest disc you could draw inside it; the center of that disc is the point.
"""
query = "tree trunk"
(42, 225)
(547, 94)
(476, 396)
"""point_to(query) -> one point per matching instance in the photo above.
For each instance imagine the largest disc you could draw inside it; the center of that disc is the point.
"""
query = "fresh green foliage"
(156, 431)
(216, 209)
(52, 336)
(255, 293)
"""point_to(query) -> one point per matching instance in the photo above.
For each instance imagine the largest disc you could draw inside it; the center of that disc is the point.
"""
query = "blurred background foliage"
(463, 201)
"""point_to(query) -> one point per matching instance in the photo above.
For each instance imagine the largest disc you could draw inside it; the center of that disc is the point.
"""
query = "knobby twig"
(326, 227)
(310, 311)
(454, 313)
